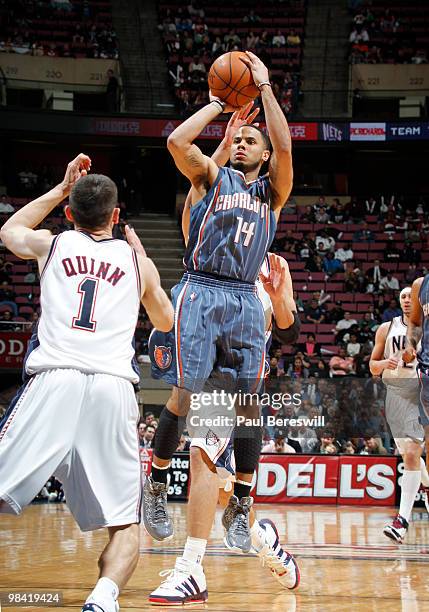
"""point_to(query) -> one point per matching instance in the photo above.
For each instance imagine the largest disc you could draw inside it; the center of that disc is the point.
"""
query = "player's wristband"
(221, 105)
(259, 85)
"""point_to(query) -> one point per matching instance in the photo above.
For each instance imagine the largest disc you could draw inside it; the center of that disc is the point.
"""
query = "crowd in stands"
(349, 259)
(58, 28)
(389, 33)
(195, 35)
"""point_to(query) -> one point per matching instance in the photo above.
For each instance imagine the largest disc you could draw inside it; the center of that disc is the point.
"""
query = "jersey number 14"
(244, 228)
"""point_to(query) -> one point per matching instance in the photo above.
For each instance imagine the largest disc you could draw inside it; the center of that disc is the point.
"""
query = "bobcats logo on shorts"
(211, 438)
(163, 357)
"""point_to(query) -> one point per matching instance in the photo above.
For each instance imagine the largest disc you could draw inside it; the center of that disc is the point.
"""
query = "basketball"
(231, 80)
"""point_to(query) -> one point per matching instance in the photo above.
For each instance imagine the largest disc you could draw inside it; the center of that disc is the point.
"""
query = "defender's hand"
(134, 241)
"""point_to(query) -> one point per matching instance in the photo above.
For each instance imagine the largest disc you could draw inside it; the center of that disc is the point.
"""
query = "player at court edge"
(219, 318)
(402, 410)
(76, 414)
(211, 452)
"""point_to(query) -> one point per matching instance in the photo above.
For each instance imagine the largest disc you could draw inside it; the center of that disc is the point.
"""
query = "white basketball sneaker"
(397, 530)
(185, 585)
(281, 564)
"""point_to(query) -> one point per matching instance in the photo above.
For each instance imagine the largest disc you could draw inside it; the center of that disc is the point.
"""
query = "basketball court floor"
(346, 563)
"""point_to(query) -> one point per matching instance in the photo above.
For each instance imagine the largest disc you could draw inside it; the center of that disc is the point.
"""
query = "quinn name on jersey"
(90, 299)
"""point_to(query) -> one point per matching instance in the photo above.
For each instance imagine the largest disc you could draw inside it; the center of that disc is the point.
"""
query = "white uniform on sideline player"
(76, 415)
(402, 412)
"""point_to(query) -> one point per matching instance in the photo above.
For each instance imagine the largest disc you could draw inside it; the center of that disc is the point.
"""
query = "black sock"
(242, 490)
(159, 475)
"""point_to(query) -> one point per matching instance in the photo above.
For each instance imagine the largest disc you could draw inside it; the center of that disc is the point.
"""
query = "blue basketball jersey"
(423, 354)
(231, 228)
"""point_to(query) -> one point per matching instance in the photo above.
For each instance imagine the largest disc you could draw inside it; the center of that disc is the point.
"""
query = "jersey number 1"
(245, 228)
(88, 291)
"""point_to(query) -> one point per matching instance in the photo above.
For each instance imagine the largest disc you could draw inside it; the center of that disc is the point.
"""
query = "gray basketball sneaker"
(235, 519)
(155, 514)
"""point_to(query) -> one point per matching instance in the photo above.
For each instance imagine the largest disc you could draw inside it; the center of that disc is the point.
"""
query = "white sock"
(424, 472)
(410, 485)
(258, 536)
(195, 549)
(105, 591)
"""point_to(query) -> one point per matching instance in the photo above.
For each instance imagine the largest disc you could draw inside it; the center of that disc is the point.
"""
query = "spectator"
(251, 17)
(391, 312)
(310, 348)
(331, 265)
(279, 39)
(327, 240)
(411, 274)
(148, 435)
(389, 282)
(375, 274)
(344, 253)
(341, 364)
(149, 418)
(364, 234)
(197, 70)
(297, 369)
(371, 207)
(314, 264)
(141, 429)
(279, 444)
(337, 212)
(336, 314)
(327, 445)
(319, 369)
(411, 254)
(322, 215)
(314, 313)
(293, 39)
(307, 215)
(346, 323)
(391, 252)
(373, 445)
(6, 321)
(353, 346)
(275, 370)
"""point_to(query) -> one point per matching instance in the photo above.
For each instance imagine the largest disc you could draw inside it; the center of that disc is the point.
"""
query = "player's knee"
(200, 460)
(411, 455)
(179, 402)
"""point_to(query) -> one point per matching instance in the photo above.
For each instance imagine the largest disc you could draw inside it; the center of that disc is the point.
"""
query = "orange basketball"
(231, 80)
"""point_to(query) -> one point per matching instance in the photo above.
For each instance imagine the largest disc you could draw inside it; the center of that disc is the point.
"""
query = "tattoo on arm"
(414, 334)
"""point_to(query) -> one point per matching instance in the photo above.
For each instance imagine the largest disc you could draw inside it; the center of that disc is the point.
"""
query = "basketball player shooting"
(219, 316)
(402, 411)
(76, 414)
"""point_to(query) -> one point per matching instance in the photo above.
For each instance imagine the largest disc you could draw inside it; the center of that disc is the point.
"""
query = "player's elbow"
(174, 142)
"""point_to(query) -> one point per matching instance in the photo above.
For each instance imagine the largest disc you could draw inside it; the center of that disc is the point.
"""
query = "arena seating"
(398, 32)
(65, 28)
(192, 32)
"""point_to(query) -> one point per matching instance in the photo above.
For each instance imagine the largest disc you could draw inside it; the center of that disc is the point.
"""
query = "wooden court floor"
(346, 563)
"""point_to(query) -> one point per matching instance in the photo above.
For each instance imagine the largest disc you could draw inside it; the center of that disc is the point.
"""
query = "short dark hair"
(92, 201)
(267, 141)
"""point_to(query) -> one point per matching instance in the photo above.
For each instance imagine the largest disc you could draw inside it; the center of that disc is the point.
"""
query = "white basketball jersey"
(90, 299)
(266, 301)
(394, 347)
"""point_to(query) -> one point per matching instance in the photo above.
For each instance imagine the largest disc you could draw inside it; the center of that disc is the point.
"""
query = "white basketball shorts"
(402, 415)
(83, 429)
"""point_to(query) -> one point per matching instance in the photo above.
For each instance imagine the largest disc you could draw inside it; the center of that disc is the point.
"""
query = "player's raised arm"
(158, 307)
(414, 329)
(18, 234)
(280, 168)
(189, 159)
(377, 363)
(244, 116)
